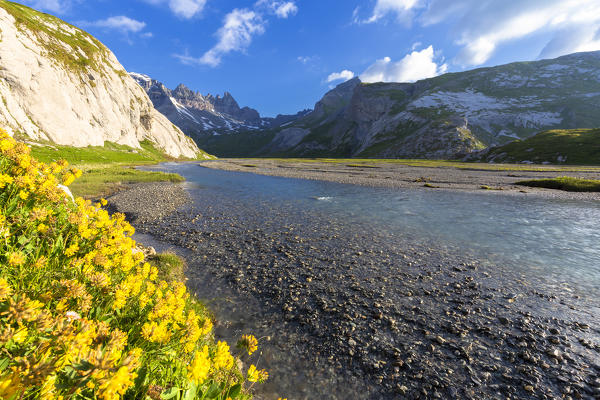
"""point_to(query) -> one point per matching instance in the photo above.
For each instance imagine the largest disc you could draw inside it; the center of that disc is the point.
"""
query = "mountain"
(447, 116)
(61, 85)
(203, 116)
(561, 146)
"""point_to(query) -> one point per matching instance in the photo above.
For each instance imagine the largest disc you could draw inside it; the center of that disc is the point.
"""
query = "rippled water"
(557, 241)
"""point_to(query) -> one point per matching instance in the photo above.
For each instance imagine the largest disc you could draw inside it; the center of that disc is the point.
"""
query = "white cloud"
(413, 67)
(480, 28)
(56, 6)
(585, 38)
(282, 9)
(401, 8)
(119, 23)
(239, 27)
(286, 9)
(307, 59)
(345, 75)
(182, 8)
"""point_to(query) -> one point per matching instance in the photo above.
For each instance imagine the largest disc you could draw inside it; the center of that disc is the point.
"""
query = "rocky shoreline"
(353, 314)
(394, 175)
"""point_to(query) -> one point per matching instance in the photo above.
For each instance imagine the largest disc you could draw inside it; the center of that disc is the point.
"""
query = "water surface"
(552, 240)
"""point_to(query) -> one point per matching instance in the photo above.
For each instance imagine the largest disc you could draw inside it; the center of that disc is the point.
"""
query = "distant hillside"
(61, 85)
(574, 146)
(447, 116)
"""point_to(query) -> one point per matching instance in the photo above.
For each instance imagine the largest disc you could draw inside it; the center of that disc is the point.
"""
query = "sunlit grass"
(373, 163)
(107, 168)
(565, 183)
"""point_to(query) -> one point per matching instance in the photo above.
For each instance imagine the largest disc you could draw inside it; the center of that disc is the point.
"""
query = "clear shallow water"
(555, 241)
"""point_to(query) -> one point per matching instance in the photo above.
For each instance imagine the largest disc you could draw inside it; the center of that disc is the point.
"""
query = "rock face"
(202, 116)
(444, 117)
(60, 84)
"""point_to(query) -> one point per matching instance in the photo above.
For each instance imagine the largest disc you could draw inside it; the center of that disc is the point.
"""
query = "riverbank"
(354, 313)
(434, 176)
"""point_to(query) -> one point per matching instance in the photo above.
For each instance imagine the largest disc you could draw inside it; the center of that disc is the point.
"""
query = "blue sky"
(281, 56)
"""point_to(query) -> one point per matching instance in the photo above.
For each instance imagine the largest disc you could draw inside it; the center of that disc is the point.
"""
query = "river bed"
(378, 293)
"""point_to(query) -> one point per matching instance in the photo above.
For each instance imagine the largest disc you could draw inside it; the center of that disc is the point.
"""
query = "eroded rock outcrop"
(59, 84)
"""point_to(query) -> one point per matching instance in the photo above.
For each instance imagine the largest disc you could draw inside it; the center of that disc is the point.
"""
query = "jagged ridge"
(202, 116)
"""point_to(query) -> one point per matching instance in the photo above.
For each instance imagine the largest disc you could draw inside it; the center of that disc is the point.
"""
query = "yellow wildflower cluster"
(248, 343)
(82, 315)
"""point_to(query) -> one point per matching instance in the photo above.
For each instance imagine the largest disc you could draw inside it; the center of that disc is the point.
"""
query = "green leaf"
(213, 391)
(83, 366)
(170, 393)
(4, 363)
(190, 393)
(141, 378)
(235, 391)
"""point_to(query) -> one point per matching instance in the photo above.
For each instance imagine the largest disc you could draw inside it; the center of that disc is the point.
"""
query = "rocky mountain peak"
(337, 98)
(183, 92)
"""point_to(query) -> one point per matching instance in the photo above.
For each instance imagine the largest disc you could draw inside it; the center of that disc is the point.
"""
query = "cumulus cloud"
(344, 75)
(480, 28)
(413, 67)
(119, 23)
(239, 27)
(182, 8)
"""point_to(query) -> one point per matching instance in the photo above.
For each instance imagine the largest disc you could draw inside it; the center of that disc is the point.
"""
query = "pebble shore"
(353, 313)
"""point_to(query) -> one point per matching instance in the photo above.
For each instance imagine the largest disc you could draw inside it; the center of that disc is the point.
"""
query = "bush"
(82, 315)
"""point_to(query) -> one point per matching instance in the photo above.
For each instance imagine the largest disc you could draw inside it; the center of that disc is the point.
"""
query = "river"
(255, 241)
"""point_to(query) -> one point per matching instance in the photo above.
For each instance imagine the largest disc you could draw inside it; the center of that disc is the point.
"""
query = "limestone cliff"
(61, 85)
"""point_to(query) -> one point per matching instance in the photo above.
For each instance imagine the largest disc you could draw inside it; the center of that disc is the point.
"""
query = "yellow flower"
(117, 385)
(23, 195)
(42, 228)
(16, 259)
(156, 333)
(206, 327)
(20, 335)
(5, 180)
(71, 250)
(5, 289)
(252, 373)
(10, 385)
(223, 358)
(6, 145)
(68, 179)
(255, 375)
(249, 343)
(198, 370)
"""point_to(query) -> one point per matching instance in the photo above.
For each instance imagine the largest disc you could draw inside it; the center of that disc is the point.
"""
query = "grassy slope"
(579, 146)
(107, 168)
